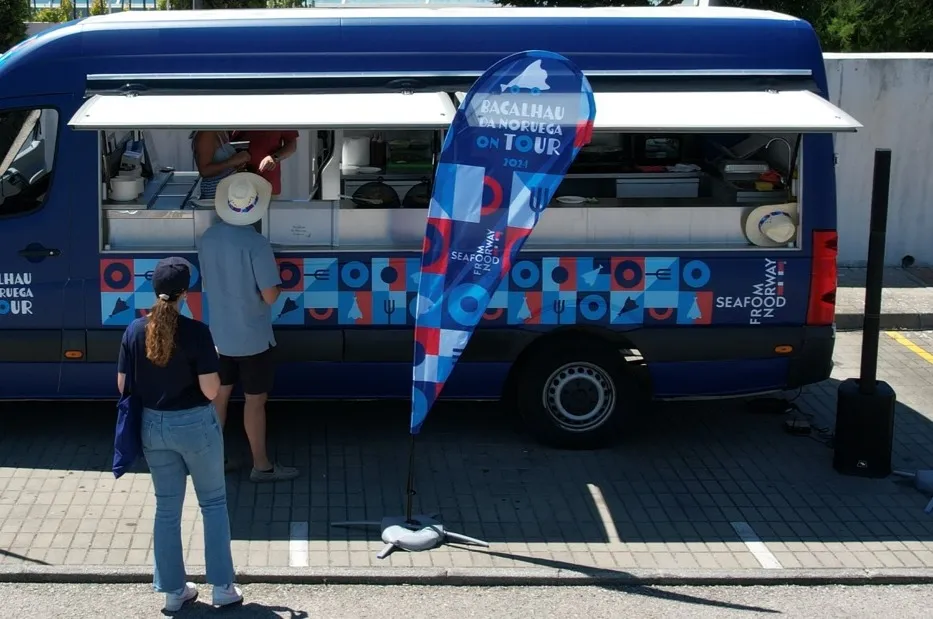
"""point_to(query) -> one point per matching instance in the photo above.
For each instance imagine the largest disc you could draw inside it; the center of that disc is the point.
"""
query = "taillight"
(822, 306)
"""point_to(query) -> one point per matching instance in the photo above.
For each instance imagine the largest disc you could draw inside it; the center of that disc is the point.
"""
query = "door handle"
(36, 252)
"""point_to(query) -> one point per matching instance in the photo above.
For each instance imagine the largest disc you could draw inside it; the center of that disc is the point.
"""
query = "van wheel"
(576, 397)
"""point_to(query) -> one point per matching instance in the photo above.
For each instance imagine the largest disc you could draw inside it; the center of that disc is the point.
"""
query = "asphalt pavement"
(416, 602)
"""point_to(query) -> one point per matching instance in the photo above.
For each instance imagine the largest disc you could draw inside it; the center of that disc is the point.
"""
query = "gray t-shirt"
(236, 263)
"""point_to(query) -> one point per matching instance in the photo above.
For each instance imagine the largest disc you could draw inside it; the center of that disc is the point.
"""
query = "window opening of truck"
(667, 168)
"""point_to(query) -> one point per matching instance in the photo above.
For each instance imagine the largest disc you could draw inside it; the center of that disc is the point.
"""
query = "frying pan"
(376, 195)
(418, 196)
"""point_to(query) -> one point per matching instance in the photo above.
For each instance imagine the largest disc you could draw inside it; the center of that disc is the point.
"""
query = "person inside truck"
(267, 149)
(216, 159)
(241, 280)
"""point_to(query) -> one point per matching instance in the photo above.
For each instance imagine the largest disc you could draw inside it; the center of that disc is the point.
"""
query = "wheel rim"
(579, 396)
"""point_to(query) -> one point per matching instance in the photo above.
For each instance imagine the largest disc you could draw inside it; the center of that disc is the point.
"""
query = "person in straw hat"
(241, 280)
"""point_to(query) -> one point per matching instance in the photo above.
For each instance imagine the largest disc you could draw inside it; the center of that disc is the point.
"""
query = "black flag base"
(414, 534)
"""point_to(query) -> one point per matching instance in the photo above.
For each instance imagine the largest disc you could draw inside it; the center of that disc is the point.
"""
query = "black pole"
(411, 478)
(880, 190)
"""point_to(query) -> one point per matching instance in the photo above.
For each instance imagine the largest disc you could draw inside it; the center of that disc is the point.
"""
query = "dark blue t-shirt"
(174, 387)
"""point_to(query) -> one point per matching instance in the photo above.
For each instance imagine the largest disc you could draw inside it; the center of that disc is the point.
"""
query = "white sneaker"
(227, 595)
(174, 601)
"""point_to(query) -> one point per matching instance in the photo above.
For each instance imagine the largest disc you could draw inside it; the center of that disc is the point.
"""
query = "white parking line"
(298, 544)
(611, 533)
(755, 546)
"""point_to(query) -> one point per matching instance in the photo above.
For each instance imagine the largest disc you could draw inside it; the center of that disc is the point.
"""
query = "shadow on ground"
(683, 474)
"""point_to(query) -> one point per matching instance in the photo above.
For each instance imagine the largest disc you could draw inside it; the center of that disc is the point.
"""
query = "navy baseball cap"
(170, 278)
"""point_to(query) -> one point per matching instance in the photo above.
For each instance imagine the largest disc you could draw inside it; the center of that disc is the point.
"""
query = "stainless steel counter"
(166, 190)
(162, 217)
(167, 219)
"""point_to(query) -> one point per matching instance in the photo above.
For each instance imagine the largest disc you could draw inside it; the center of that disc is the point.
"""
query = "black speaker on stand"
(864, 436)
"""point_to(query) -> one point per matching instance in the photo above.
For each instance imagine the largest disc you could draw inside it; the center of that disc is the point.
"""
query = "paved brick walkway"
(688, 489)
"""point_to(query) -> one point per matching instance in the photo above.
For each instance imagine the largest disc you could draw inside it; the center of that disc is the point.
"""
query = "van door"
(34, 224)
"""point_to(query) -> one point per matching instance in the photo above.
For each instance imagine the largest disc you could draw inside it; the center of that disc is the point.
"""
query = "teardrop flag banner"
(514, 136)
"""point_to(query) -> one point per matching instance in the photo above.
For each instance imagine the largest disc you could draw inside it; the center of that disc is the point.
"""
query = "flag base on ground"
(415, 534)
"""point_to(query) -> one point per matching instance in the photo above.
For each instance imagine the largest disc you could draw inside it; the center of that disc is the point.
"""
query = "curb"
(471, 576)
(889, 322)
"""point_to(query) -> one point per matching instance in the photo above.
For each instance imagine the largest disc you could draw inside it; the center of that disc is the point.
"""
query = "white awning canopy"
(432, 110)
(789, 111)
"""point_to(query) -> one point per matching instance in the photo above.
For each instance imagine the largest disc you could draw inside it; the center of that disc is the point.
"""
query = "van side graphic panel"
(622, 292)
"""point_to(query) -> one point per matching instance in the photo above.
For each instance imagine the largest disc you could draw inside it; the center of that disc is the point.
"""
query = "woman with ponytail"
(175, 377)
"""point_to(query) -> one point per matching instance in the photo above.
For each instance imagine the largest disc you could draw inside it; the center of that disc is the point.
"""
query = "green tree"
(588, 3)
(842, 25)
(175, 5)
(879, 25)
(13, 17)
(234, 4)
(62, 13)
(99, 7)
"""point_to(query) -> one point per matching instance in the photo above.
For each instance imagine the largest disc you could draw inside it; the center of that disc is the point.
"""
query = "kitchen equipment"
(360, 170)
(131, 161)
(372, 201)
(376, 194)
(125, 189)
(657, 149)
(600, 153)
(418, 196)
(571, 199)
(377, 152)
(355, 152)
(410, 156)
(745, 192)
(731, 166)
(660, 184)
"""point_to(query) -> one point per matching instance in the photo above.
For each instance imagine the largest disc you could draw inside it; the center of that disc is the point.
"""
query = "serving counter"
(166, 217)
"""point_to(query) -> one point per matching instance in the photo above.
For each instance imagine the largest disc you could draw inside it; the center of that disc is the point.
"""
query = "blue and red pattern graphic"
(510, 144)
(618, 291)
(126, 291)
(376, 291)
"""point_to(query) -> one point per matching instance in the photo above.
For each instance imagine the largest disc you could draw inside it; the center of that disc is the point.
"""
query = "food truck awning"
(787, 111)
(433, 110)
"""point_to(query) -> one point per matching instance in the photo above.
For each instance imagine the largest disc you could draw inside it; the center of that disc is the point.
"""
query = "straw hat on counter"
(772, 225)
(242, 198)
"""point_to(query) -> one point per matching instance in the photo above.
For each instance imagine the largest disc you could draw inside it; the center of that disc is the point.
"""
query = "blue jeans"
(177, 443)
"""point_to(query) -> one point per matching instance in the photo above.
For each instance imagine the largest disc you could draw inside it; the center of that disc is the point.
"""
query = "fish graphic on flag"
(515, 135)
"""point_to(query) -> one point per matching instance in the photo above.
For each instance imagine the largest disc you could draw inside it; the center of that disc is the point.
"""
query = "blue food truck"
(690, 251)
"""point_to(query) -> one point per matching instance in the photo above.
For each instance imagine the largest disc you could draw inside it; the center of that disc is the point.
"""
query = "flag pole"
(411, 478)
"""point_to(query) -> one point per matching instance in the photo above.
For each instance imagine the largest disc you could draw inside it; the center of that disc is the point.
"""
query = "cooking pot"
(125, 188)
(355, 152)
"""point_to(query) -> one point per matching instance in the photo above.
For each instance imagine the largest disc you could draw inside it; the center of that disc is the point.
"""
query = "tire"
(577, 396)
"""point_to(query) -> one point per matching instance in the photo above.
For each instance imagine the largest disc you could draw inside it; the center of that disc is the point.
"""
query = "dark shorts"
(256, 373)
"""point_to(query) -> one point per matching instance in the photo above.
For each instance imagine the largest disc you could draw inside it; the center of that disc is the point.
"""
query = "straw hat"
(242, 198)
(772, 225)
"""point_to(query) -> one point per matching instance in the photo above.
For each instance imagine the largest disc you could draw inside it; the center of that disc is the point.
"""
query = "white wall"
(892, 95)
